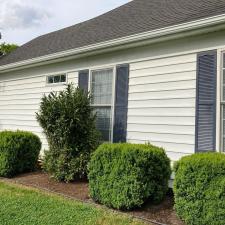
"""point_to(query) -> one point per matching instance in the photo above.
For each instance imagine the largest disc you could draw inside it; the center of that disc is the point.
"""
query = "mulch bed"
(162, 213)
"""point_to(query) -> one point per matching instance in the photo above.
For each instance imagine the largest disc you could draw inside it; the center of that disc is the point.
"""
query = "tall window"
(102, 100)
(223, 105)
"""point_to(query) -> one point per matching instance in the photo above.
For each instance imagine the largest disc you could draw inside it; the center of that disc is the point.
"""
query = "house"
(154, 67)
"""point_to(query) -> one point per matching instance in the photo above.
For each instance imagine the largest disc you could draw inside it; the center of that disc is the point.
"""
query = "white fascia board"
(151, 35)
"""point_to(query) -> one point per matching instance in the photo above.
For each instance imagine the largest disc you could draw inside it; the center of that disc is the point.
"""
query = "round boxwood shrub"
(199, 189)
(19, 152)
(68, 122)
(124, 176)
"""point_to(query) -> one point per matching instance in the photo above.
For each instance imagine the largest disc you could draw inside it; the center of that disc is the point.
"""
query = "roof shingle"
(134, 17)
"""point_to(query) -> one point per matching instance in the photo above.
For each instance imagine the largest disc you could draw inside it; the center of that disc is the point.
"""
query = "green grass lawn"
(25, 206)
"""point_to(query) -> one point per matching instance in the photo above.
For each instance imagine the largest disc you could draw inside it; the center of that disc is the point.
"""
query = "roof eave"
(186, 29)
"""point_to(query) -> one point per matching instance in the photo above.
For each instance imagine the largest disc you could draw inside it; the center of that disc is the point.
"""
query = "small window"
(55, 79)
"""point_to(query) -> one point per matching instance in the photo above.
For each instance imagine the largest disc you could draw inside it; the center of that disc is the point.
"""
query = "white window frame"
(113, 68)
(220, 102)
(59, 83)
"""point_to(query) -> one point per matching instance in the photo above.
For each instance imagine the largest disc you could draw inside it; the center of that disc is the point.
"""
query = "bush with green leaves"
(68, 122)
(124, 176)
(199, 189)
(19, 152)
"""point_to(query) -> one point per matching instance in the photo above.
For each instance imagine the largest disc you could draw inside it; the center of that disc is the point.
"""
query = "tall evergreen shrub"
(68, 122)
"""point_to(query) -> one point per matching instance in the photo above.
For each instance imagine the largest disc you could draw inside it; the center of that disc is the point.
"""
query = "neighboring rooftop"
(134, 17)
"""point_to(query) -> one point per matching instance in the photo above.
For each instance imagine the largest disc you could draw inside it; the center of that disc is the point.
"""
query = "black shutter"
(121, 104)
(206, 101)
(83, 79)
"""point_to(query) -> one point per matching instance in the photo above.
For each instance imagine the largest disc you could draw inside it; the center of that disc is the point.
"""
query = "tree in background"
(7, 48)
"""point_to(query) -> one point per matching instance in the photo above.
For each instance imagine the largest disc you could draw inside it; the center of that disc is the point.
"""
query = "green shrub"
(68, 122)
(19, 151)
(124, 176)
(199, 189)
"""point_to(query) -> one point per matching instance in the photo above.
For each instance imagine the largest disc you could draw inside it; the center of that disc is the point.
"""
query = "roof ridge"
(134, 17)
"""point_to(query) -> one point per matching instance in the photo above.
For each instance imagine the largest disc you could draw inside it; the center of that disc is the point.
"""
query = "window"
(102, 100)
(55, 79)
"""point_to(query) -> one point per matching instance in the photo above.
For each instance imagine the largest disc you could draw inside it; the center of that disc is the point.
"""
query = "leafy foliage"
(124, 176)
(7, 48)
(19, 152)
(69, 124)
(200, 189)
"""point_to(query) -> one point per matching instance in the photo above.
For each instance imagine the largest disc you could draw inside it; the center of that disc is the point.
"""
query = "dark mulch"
(162, 213)
(77, 190)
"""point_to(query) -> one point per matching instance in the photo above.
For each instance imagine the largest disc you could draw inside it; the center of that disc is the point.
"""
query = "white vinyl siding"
(161, 105)
(20, 99)
(161, 95)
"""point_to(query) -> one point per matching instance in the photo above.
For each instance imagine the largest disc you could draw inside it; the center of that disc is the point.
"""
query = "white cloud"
(16, 14)
(23, 20)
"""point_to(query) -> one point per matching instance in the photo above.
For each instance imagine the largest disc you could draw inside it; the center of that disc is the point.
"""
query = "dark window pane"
(50, 79)
(63, 78)
(224, 60)
(103, 122)
(57, 79)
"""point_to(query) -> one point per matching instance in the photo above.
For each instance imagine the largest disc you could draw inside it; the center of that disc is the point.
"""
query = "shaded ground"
(162, 213)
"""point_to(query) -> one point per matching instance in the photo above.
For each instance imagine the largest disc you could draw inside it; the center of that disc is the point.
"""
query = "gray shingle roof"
(134, 17)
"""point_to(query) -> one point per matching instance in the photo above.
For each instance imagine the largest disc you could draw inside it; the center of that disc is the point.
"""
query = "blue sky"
(23, 20)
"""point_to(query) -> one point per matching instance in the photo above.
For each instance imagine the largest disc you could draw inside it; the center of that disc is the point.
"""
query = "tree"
(68, 122)
(7, 48)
